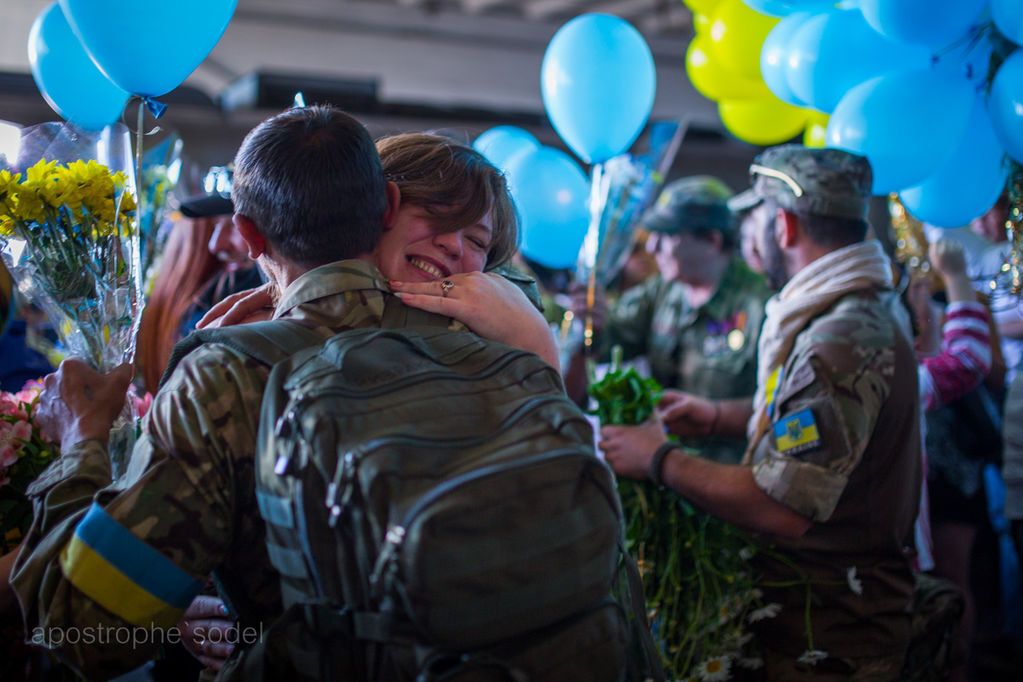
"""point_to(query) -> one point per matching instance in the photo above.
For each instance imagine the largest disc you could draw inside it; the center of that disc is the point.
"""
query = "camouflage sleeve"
(823, 417)
(104, 563)
(630, 320)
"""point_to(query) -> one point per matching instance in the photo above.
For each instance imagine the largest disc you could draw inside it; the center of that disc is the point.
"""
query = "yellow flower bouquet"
(68, 236)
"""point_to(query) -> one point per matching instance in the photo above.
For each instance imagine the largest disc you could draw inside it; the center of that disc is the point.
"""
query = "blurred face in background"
(769, 251)
(991, 225)
(683, 257)
(228, 246)
(753, 222)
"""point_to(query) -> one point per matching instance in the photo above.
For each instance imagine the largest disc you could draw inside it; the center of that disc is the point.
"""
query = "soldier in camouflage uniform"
(698, 321)
(102, 559)
(832, 474)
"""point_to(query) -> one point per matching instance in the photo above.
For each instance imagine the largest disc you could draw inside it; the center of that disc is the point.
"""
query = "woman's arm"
(489, 305)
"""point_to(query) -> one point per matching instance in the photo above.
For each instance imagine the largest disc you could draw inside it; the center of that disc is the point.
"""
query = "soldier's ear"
(786, 229)
(250, 233)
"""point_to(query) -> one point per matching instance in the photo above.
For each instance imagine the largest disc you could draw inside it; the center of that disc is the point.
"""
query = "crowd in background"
(692, 301)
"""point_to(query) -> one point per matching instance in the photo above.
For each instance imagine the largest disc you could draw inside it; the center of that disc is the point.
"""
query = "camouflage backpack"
(436, 512)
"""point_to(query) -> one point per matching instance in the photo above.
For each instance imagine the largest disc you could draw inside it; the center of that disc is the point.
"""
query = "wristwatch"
(657, 463)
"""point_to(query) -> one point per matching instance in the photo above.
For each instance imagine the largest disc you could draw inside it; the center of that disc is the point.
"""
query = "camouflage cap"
(828, 182)
(693, 203)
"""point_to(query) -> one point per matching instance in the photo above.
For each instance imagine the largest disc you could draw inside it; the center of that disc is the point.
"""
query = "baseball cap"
(822, 181)
(693, 203)
(215, 199)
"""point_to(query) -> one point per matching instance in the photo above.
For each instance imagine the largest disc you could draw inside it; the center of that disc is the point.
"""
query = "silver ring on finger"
(446, 285)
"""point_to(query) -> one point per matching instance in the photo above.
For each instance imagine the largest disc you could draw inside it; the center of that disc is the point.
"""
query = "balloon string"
(139, 137)
(597, 202)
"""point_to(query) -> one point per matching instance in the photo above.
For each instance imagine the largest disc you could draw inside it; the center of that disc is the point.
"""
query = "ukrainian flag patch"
(796, 432)
(123, 574)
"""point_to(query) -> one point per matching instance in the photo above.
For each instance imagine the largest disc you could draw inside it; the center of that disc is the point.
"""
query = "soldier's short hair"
(310, 179)
(453, 183)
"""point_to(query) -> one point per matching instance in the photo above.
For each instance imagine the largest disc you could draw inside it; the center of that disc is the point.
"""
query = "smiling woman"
(450, 220)
(455, 215)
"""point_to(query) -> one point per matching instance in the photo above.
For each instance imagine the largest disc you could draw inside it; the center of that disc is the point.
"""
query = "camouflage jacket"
(110, 558)
(710, 351)
(843, 450)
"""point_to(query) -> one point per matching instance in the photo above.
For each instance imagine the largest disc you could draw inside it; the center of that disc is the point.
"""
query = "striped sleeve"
(965, 358)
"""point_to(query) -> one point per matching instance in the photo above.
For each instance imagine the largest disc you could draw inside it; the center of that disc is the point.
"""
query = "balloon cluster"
(731, 61)
(598, 84)
(550, 192)
(907, 83)
(88, 56)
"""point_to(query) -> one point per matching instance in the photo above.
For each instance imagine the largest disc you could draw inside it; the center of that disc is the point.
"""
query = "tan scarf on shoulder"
(813, 290)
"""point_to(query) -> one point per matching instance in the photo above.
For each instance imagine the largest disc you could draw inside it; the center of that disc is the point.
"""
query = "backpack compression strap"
(267, 342)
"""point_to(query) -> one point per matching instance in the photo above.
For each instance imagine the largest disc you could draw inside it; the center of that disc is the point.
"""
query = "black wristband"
(657, 463)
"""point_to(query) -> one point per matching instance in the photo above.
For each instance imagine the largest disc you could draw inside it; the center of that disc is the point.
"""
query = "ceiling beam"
(481, 6)
(546, 10)
(674, 19)
(626, 9)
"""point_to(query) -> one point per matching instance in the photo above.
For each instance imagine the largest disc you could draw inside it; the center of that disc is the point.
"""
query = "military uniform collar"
(328, 281)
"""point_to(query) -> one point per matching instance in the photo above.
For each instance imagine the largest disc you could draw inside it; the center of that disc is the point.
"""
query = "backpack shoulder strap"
(267, 342)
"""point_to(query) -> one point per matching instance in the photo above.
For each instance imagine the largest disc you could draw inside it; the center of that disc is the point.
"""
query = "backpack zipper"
(346, 471)
(387, 561)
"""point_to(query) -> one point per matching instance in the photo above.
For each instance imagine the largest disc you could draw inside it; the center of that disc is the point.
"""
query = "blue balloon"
(148, 48)
(832, 53)
(785, 8)
(67, 78)
(891, 120)
(1006, 105)
(1008, 16)
(503, 142)
(551, 193)
(970, 60)
(935, 23)
(774, 57)
(968, 183)
(598, 84)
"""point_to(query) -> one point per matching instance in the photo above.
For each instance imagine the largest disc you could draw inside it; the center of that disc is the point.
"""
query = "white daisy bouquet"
(700, 589)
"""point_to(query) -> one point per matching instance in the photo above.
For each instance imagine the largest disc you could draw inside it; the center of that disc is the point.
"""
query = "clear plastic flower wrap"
(621, 190)
(161, 170)
(68, 235)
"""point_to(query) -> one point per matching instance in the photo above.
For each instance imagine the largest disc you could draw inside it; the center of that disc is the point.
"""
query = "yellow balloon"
(762, 121)
(701, 6)
(714, 82)
(701, 24)
(737, 35)
(816, 133)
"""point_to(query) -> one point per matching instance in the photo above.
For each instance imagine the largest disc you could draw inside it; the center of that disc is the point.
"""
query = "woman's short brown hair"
(454, 183)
